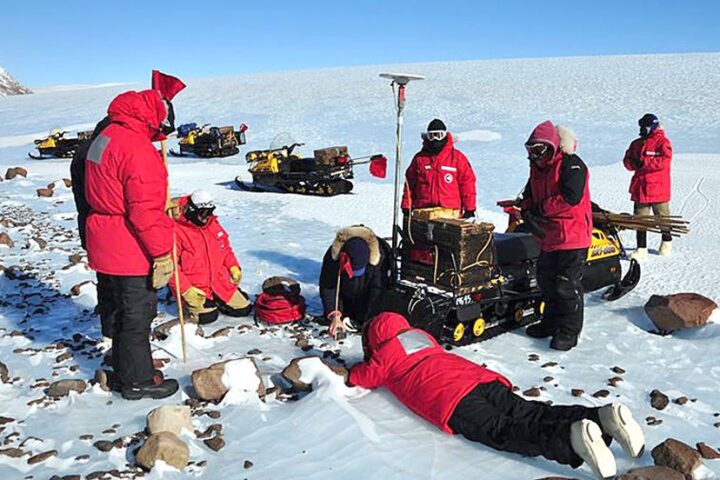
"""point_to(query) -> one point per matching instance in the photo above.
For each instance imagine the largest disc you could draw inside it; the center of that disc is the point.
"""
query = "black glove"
(469, 214)
(637, 163)
(406, 211)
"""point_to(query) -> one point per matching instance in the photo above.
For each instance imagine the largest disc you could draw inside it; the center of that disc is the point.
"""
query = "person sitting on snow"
(353, 278)
(209, 272)
(439, 175)
(461, 397)
(649, 158)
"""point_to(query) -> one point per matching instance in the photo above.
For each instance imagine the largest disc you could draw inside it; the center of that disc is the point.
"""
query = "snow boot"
(564, 342)
(639, 254)
(108, 381)
(665, 248)
(587, 442)
(350, 325)
(540, 330)
(154, 389)
(617, 420)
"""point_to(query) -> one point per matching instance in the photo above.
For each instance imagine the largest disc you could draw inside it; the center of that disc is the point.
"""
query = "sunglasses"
(434, 135)
(537, 150)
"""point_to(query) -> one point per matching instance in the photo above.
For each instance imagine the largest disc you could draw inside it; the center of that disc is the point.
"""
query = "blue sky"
(49, 43)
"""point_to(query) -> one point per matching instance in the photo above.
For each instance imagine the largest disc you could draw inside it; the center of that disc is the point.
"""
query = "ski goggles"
(435, 135)
(536, 151)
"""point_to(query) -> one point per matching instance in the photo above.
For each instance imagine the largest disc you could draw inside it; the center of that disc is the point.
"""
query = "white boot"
(617, 420)
(665, 248)
(639, 254)
(586, 440)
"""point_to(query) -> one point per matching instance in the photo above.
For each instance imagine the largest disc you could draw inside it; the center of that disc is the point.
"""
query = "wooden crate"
(327, 156)
(448, 252)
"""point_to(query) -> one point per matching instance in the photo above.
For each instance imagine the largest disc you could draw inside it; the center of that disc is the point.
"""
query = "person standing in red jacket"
(461, 397)
(129, 238)
(649, 159)
(209, 272)
(557, 200)
(439, 175)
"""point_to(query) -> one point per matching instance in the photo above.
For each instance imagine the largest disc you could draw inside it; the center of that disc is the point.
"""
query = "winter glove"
(637, 163)
(469, 214)
(236, 274)
(161, 271)
(194, 297)
(406, 211)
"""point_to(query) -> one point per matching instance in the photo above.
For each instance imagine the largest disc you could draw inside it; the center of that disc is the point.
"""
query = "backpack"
(280, 301)
(77, 176)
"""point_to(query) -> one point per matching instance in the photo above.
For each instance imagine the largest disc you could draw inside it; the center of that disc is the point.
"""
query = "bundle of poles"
(674, 224)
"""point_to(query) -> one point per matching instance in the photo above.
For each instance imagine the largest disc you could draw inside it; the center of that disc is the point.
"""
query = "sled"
(209, 142)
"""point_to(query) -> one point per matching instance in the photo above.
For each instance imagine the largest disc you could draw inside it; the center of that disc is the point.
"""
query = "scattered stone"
(680, 401)
(652, 473)
(304, 344)
(169, 418)
(163, 446)
(4, 374)
(532, 392)
(214, 414)
(601, 393)
(223, 332)
(215, 444)
(62, 388)
(247, 464)
(12, 452)
(62, 357)
(67, 182)
(162, 331)
(658, 400)
(548, 379)
(680, 311)
(41, 457)
(707, 452)
(159, 363)
(613, 382)
(652, 421)
(4, 420)
(533, 357)
(75, 259)
(215, 428)
(40, 241)
(618, 370)
(45, 192)
(82, 458)
(202, 463)
(109, 431)
(14, 172)
(676, 455)
(75, 290)
(292, 372)
(87, 436)
(577, 392)
(103, 445)
(6, 240)
(208, 381)
(549, 365)
(254, 351)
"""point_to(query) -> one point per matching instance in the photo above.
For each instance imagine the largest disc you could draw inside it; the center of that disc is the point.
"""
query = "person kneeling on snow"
(649, 158)
(353, 278)
(209, 272)
(461, 397)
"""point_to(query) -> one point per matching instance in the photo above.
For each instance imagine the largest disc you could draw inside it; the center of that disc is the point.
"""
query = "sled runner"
(57, 145)
(209, 142)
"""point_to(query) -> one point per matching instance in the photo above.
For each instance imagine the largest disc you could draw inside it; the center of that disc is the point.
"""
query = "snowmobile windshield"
(282, 140)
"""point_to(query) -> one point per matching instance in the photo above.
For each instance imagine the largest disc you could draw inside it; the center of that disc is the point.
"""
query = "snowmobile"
(209, 142)
(498, 290)
(56, 145)
(280, 169)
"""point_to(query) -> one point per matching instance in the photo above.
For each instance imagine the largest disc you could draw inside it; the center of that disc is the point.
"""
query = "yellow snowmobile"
(209, 142)
(55, 145)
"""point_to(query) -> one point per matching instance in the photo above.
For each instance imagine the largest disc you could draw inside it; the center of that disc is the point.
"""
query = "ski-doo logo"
(448, 178)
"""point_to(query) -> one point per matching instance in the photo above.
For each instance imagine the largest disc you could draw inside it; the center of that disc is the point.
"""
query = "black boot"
(108, 381)
(563, 342)
(163, 389)
(541, 330)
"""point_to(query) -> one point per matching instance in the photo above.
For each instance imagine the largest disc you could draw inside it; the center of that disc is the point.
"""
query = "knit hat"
(648, 123)
(359, 254)
(435, 125)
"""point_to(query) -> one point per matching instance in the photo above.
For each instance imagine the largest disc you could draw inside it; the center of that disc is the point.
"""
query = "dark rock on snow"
(680, 311)
(658, 400)
(707, 452)
(62, 388)
(676, 455)
(652, 473)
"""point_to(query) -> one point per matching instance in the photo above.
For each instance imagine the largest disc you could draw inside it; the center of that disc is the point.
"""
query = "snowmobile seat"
(302, 164)
(515, 247)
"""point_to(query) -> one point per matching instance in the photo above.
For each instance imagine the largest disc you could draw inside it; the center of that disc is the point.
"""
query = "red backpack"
(280, 301)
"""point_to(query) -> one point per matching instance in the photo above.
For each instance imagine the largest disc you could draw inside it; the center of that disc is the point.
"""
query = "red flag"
(345, 265)
(167, 85)
(378, 166)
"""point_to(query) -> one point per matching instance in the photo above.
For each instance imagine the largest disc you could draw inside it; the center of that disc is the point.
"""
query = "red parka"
(650, 159)
(442, 180)
(419, 372)
(126, 184)
(204, 257)
(559, 187)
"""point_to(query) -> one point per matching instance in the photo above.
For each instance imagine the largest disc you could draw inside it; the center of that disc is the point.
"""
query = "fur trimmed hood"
(559, 137)
(362, 232)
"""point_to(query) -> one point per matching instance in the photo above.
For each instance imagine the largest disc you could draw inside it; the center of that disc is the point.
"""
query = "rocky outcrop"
(163, 446)
(10, 86)
(62, 388)
(676, 455)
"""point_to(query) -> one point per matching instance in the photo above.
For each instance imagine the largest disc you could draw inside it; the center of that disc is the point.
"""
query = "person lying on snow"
(354, 274)
(461, 397)
(439, 175)
(209, 272)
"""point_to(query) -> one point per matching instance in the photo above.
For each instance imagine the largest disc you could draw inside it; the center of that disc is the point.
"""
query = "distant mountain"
(10, 86)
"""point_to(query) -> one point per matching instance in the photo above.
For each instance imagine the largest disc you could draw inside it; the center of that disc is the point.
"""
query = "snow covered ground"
(492, 106)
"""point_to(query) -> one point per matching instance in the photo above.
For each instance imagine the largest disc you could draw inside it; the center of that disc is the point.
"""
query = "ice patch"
(241, 378)
(477, 136)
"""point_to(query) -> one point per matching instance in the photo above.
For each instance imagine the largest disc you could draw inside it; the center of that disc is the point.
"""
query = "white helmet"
(202, 199)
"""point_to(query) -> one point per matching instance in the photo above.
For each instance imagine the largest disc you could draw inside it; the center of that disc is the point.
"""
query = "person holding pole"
(129, 237)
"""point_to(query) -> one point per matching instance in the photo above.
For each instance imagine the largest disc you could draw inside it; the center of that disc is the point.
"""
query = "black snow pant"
(559, 275)
(494, 416)
(128, 305)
